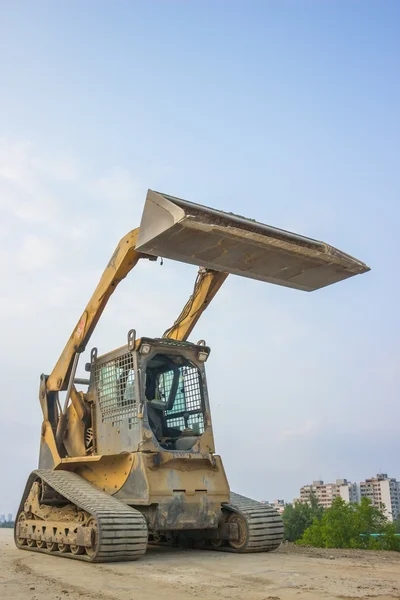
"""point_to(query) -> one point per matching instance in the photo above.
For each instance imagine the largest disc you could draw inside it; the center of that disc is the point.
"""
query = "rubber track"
(122, 530)
(265, 526)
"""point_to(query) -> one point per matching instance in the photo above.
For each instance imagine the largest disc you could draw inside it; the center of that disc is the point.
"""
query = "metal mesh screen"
(188, 400)
(115, 386)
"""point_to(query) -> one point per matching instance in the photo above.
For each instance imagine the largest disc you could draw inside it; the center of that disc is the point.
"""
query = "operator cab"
(153, 384)
(174, 392)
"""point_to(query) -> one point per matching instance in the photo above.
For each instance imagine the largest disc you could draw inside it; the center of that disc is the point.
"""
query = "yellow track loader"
(131, 460)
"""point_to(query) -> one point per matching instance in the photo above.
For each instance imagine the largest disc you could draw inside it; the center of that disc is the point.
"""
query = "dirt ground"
(178, 574)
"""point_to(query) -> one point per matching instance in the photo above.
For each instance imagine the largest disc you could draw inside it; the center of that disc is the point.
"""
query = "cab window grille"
(187, 409)
(115, 386)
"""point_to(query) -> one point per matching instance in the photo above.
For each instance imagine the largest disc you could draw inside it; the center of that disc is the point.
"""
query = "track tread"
(265, 526)
(122, 530)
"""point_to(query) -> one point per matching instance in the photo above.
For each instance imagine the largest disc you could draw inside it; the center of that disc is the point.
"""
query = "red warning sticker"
(81, 326)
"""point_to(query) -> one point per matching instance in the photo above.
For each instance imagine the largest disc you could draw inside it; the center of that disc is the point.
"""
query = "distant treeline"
(7, 525)
(343, 525)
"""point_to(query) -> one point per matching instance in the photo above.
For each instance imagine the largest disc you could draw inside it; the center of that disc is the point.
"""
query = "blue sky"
(285, 111)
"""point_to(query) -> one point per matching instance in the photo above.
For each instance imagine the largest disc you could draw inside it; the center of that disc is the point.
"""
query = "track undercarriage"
(62, 514)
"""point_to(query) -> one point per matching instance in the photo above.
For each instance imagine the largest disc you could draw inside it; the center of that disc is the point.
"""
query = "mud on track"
(177, 574)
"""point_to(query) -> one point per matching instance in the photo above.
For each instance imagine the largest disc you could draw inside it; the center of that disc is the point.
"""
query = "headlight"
(202, 356)
(145, 348)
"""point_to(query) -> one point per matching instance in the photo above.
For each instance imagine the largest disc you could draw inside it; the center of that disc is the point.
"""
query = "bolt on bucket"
(192, 233)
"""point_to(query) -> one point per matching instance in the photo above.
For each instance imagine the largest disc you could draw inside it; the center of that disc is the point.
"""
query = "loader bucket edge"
(191, 233)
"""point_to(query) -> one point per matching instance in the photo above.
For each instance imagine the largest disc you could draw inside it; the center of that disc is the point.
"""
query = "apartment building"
(326, 493)
(350, 492)
(383, 491)
(279, 505)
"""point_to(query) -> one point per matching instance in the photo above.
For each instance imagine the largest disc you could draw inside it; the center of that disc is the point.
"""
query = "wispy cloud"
(36, 253)
(304, 429)
(117, 185)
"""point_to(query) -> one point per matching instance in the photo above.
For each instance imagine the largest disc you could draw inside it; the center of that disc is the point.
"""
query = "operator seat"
(186, 442)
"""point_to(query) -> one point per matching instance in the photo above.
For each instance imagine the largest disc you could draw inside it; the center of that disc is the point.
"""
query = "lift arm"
(122, 261)
(206, 286)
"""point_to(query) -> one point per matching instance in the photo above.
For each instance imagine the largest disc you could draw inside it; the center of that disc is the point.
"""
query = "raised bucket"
(192, 233)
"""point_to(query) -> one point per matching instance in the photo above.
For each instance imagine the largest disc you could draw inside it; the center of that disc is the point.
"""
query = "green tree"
(334, 530)
(297, 517)
(347, 525)
(397, 525)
